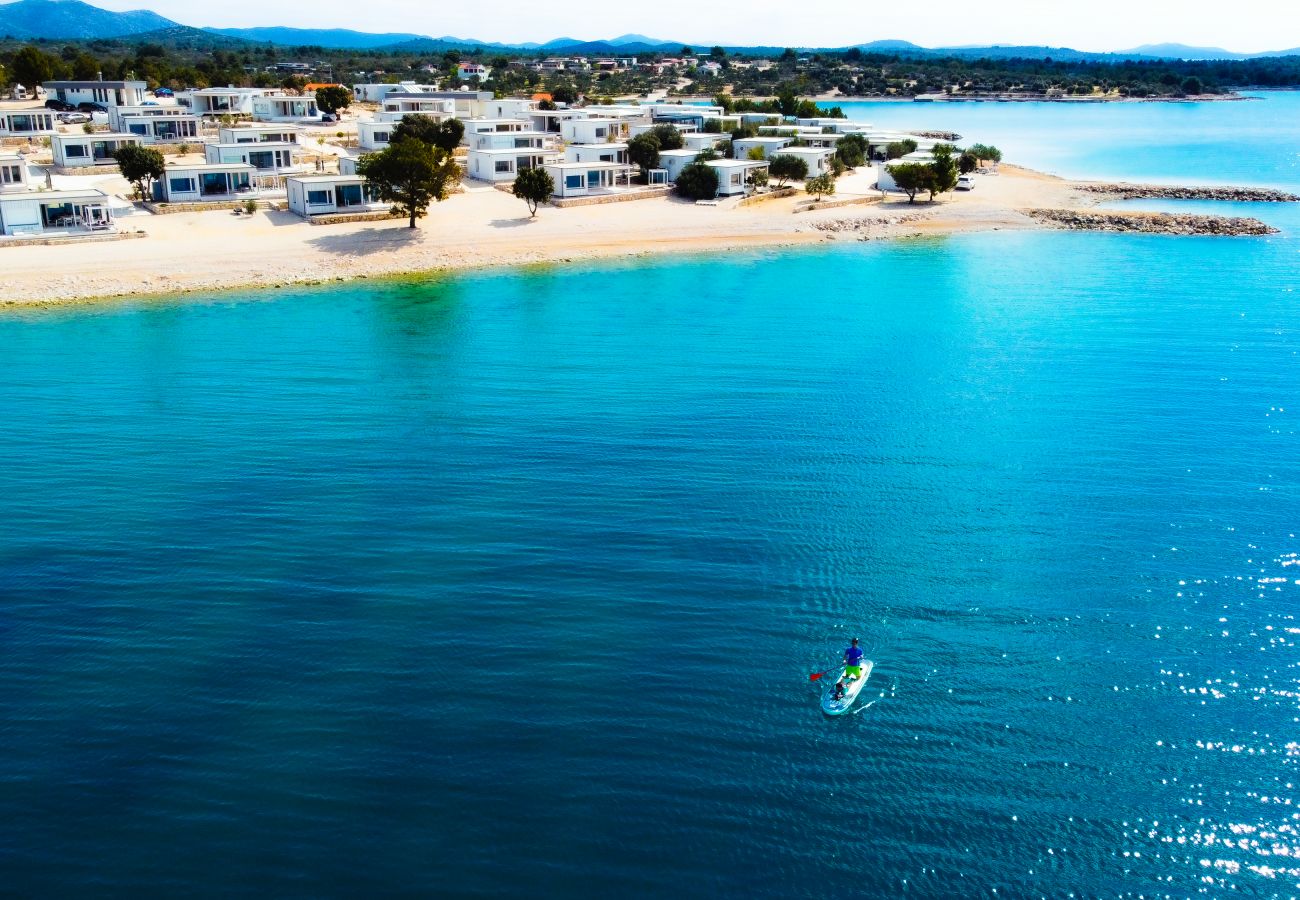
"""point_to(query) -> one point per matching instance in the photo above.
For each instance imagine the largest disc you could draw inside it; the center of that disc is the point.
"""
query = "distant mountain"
(621, 40)
(889, 47)
(72, 19)
(1182, 51)
(338, 38)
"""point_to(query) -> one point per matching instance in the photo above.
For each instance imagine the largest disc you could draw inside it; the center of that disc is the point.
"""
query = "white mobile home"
(582, 179)
(282, 108)
(348, 165)
(734, 174)
(615, 153)
(258, 133)
(769, 145)
(194, 183)
(105, 93)
(75, 151)
(673, 161)
(595, 131)
(26, 123)
(314, 195)
(13, 173)
(375, 135)
(817, 158)
(263, 156)
(504, 164)
(46, 212)
(699, 140)
(154, 124)
(223, 101)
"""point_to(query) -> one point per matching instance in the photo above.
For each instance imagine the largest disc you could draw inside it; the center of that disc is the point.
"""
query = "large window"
(503, 165)
(180, 185)
(573, 181)
(76, 151)
(318, 198)
(11, 175)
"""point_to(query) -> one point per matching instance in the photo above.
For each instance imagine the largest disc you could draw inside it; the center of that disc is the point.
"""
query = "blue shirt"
(853, 656)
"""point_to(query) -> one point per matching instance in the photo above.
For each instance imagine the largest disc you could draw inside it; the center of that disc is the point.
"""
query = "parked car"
(149, 103)
(73, 118)
(965, 182)
(89, 107)
(59, 106)
(163, 92)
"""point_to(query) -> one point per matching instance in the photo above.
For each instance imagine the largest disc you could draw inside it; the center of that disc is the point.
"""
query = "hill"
(72, 19)
(338, 38)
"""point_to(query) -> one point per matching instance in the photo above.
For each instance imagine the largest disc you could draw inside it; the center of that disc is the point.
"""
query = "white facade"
(54, 212)
(74, 151)
(510, 108)
(734, 174)
(464, 104)
(26, 123)
(506, 140)
(314, 195)
(375, 93)
(258, 133)
(885, 178)
(673, 161)
(265, 157)
(476, 127)
(469, 70)
(154, 124)
(282, 108)
(13, 173)
(505, 164)
(582, 179)
(219, 101)
(769, 145)
(105, 93)
(699, 140)
(615, 153)
(817, 158)
(375, 135)
(595, 131)
(397, 105)
(189, 183)
(347, 165)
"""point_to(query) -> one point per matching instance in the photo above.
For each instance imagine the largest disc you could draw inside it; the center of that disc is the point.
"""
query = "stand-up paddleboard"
(833, 707)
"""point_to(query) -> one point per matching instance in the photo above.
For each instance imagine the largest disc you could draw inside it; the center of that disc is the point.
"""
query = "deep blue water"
(511, 583)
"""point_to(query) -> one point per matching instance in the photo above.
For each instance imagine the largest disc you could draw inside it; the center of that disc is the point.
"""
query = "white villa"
(516, 138)
(885, 178)
(13, 173)
(468, 70)
(552, 120)
(475, 127)
(582, 179)
(734, 174)
(699, 140)
(26, 123)
(264, 156)
(74, 151)
(258, 133)
(154, 124)
(464, 104)
(595, 131)
(817, 158)
(397, 105)
(283, 108)
(44, 212)
(616, 152)
(673, 161)
(197, 183)
(107, 93)
(509, 108)
(769, 145)
(503, 164)
(375, 93)
(222, 101)
(314, 195)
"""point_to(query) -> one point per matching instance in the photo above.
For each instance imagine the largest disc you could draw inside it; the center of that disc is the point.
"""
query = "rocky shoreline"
(1151, 223)
(1175, 192)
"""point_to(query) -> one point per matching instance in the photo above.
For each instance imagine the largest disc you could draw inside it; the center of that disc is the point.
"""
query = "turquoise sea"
(510, 584)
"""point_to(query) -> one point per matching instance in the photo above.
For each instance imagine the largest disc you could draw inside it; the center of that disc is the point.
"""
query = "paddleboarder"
(853, 661)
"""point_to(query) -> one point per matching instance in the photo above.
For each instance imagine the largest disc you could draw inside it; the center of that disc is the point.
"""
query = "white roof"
(681, 152)
(46, 196)
(765, 140)
(587, 165)
(97, 136)
(210, 167)
(736, 163)
(323, 179)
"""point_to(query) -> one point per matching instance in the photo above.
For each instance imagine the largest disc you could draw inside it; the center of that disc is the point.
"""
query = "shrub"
(697, 182)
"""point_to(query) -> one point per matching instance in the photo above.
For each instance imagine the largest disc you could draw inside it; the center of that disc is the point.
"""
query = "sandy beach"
(484, 227)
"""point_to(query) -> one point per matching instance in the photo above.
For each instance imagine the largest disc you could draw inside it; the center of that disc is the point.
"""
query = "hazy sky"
(1244, 25)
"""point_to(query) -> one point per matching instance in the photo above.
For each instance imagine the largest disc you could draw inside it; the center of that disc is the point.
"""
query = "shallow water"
(512, 583)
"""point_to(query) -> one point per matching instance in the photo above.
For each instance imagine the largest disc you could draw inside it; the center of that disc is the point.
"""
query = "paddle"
(815, 675)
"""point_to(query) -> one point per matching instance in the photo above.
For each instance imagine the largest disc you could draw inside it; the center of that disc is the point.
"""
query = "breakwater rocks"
(1150, 223)
(1175, 192)
(951, 136)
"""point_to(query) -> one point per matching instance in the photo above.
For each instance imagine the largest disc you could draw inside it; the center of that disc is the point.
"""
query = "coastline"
(483, 228)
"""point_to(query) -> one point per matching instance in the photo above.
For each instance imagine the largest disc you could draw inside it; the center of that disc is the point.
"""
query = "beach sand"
(483, 227)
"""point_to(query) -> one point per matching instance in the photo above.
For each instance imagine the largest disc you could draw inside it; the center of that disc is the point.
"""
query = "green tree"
(718, 53)
(444, 135)
(31, 67)
(332, 98)
(985, 153)
(85, 67)
(899, 149)
(140, 166)
(784, 167)
(944, 172)
(819, 185)
(967, 162)
(533, 186)
(410, 174)
(912, 178)
(724, 102)
(697, 181)
(564, 93)
(851, 150)
(755, 153)
(786, 99)
(643, 151)
(669, 137)
(1193, 85)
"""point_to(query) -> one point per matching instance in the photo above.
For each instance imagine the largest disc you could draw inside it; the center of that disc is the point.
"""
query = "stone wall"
(833, 204)
(166, 209)
(643, 194)
(369, 216)
(53, 239)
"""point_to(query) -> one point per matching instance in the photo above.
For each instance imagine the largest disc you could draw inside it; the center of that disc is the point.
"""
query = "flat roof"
(763, 139)
(682, 152)
(252, 144)
(228, 90)
(209, 167)
(528, 151)
(736, 163)
(78, 85)
(588, 165)
(95, 136)
(45, 196)
(612, 145)
(321, 179)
